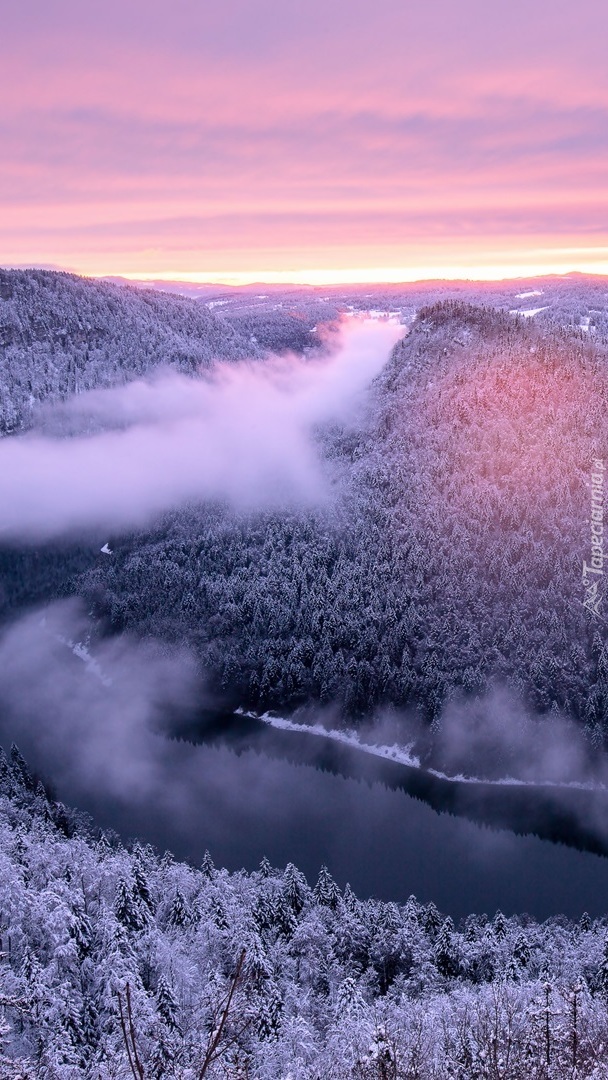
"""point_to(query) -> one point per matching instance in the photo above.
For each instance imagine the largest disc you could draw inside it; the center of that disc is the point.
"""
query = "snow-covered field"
(528, 313)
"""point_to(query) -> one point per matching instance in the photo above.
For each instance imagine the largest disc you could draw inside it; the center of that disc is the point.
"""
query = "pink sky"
(318, 139)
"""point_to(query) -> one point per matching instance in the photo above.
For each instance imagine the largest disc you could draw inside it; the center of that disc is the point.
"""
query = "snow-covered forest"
(440, 572)
(60, 335)
(449, 560)
(328, 986)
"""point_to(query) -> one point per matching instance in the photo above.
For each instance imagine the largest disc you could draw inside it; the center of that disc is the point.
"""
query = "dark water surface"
(243, 799)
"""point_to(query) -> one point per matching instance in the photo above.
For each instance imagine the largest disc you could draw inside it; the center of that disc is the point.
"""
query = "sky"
(304, 141)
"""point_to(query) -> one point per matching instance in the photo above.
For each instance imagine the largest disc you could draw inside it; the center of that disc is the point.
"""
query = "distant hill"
(285, 316)
(60, 334)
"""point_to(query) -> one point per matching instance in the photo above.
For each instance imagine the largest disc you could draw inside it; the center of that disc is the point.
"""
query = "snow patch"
(402, 755)
(528, 312)
(82, 652)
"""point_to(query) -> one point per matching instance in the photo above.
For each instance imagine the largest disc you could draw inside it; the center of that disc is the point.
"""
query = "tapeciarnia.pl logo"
(593, 571)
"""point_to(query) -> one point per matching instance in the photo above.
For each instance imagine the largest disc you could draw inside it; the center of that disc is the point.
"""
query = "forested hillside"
(61, 334)
(329, 987)
(446, 564)
(575, 302)
(451, 560)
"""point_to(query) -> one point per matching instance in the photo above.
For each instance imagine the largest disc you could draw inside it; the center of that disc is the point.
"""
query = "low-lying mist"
(498, 736)
(90, 719)
(243, 433)
(94, 718)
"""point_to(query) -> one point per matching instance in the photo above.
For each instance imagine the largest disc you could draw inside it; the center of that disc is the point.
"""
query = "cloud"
(326, 113)
(497, 736)
(243, 433)
(90, 722)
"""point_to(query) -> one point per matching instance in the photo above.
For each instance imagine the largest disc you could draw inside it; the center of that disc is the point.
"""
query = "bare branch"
(128, 1035)
(214, 1048)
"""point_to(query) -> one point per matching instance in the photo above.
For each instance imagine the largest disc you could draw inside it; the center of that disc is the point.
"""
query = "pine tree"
(350, 1001)
(5, 771)
(81, 931)
(265, 868)
(585, 923)
(351, 902)
(521, 950)
(284, 918)
(218, 914)
(180, 913)
(164, 1053)
(431, 920)
(20, 770)
(207, 867)
(499, 926)
(270, 1013)
(127, 907)
(264, 912)
(166, 1004)
(90, 1025)
(140, 882)
(326, 891)
(295, 888)
(446, 956)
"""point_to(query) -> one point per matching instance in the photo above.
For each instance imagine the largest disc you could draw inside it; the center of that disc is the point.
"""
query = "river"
(252, 792)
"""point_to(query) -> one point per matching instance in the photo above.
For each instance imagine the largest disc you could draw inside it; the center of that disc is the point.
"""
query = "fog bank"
(244, 433)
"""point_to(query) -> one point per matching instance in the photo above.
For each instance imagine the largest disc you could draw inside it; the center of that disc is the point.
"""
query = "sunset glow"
(380, 275)
(304, 142)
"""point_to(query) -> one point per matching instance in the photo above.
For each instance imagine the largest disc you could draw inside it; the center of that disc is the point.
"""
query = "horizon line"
(373, 276)
(367, 276)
